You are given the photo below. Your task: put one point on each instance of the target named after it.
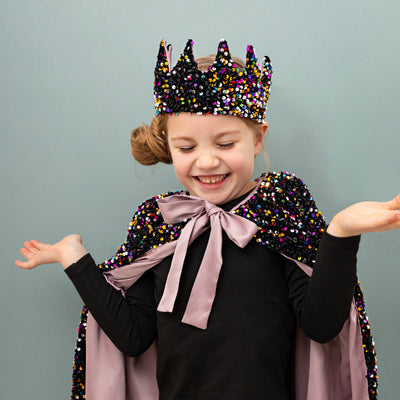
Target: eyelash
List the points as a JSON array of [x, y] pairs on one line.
[[186, 149], [226, 145], [221, 146]]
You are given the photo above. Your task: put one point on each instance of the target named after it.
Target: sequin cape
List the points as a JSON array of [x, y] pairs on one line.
[[289, 223]]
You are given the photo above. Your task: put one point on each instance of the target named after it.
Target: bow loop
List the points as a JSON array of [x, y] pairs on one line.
[[238, 229], [177, 208]]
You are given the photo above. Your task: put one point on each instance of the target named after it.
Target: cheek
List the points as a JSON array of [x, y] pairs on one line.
[[244, 158], [244, 165], [181, 166]]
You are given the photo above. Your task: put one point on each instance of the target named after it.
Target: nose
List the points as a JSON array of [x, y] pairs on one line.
[[207, 160]]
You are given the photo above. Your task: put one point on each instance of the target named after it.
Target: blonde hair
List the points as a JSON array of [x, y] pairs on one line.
[[149, 143]]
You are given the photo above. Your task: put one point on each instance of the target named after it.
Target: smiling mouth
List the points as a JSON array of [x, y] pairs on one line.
[[211, 179]]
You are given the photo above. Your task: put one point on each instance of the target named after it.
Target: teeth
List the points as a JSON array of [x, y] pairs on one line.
[[214, 179]]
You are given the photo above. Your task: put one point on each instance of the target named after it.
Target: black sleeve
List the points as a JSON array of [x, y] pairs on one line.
[[322, 302], [130, 321]]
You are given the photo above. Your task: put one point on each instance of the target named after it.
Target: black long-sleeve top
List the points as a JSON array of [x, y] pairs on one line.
[[246, 350]]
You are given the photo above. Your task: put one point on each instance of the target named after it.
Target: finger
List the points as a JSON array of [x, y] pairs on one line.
[[394, 204], [393, 217], [29, 246], [389, 221], [26, 253], [396, 218], [38, 245], [24, 264]]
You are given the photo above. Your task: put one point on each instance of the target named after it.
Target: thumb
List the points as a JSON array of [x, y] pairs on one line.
[[393, 204]]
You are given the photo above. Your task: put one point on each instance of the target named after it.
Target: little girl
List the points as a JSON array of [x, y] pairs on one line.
[[241, 286]]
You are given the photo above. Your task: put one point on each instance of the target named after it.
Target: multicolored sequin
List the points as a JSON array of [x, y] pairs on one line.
[[368, 344], [146, 231], [289, 222], [78, 374], [223, 89]]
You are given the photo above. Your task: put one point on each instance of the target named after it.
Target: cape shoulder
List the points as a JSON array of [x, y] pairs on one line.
[[282, 207], [288, 219]]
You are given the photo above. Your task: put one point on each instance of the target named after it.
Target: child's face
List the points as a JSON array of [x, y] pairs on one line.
[[213, 155]]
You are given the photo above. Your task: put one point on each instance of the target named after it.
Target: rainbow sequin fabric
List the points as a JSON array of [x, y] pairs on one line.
[[223, 89], [289, 222]]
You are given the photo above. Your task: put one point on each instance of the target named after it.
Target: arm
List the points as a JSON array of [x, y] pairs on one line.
[[322, 302], [129, 321]]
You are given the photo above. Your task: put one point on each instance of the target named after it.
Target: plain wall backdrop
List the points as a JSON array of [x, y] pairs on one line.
[[76, 77]]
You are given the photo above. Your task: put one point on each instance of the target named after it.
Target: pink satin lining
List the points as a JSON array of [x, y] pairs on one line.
[[330, 371], [177, 208]]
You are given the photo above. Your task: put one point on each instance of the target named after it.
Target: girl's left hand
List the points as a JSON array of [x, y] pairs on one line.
[[365, 217]]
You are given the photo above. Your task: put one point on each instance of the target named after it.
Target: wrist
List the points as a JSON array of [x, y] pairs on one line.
[[334, 230], [70, 250], [337, 228]]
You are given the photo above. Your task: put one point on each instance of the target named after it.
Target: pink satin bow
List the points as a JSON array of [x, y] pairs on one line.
[[176, 208]]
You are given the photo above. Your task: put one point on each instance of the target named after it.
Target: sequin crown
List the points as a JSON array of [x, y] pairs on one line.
[[224, 88]]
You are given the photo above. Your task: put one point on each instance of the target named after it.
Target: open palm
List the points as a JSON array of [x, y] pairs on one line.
[[66, 251], [367, 216]]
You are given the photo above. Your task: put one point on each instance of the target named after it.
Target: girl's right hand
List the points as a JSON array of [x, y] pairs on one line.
[[66, 252]]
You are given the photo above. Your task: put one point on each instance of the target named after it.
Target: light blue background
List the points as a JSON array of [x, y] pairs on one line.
[[76, 77]]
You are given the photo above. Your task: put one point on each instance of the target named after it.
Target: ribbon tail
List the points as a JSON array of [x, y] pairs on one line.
[[168, 298], [205, 286]]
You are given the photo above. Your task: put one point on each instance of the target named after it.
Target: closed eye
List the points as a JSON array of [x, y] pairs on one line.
[[226, 145], [186, 149]]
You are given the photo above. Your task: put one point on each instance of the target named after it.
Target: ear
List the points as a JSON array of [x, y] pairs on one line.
[[259, 140]]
